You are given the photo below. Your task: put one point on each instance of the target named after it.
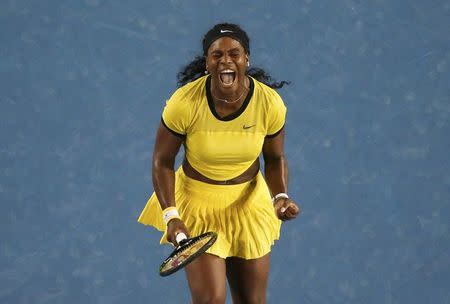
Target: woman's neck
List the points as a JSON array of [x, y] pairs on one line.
[[234, 98]]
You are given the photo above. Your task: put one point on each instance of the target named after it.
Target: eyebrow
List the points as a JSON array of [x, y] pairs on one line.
[[231, 50]]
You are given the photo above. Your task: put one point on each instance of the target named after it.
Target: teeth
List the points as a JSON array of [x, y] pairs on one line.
[[227, 71], [227, 78]]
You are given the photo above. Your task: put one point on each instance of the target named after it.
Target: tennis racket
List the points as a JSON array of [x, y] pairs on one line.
[[186, 252]]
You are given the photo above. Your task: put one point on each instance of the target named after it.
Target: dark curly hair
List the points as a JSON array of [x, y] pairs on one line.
[[196, 68]]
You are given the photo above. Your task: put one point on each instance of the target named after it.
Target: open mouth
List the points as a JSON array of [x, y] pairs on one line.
[[227, 77]]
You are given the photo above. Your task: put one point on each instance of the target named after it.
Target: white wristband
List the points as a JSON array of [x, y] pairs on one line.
[[170, 213], [180, 236], [279, 195]]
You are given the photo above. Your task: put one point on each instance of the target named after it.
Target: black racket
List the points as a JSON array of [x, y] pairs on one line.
[[186, 252]]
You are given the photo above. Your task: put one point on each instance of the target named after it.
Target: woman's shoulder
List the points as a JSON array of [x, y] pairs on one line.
[[187, 99], [269, 95]]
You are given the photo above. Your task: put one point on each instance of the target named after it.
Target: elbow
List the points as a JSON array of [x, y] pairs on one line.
[[159, 162], [274, 159]]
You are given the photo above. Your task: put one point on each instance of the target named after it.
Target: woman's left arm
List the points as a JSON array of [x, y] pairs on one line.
[[276, 174]]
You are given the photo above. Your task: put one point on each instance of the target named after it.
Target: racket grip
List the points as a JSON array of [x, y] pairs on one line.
[[180, 236]]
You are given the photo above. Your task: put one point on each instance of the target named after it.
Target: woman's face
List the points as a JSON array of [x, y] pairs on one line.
[[226, 61]]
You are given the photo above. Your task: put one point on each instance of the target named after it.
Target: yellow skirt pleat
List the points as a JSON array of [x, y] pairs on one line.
[[242, 215]]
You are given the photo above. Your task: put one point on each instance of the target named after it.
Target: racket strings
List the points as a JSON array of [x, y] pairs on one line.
[[186, 253]]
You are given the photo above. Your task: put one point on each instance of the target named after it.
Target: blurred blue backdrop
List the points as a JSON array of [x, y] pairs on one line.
[[82, 85]]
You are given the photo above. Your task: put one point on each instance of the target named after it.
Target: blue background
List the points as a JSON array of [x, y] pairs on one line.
[[82, 85]]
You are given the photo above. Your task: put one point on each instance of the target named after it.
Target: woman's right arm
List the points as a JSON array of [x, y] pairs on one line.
[[165, 151]]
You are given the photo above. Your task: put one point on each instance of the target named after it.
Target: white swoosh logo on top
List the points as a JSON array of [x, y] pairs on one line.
[[225, 31]]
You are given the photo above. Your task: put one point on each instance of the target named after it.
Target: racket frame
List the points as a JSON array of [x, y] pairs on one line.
[[185, 244]]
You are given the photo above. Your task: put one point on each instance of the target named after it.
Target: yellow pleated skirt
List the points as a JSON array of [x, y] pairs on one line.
[[242, 215]]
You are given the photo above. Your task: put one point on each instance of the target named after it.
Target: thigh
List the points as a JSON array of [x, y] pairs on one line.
[[206, 277], [248, 279]]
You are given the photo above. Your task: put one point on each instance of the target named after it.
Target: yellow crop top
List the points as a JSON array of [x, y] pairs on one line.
[[223, 148]]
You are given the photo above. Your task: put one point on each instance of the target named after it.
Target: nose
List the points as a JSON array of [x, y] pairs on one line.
[[226, 58]]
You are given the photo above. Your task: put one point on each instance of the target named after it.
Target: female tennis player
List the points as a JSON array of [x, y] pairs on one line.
[[225, 114]]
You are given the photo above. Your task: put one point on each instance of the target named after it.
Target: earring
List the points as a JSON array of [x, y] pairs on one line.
[[248, 63], [206, 72]]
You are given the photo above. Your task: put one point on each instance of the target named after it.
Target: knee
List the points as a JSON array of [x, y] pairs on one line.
[[209, 299], [251, 299], [210, 294]]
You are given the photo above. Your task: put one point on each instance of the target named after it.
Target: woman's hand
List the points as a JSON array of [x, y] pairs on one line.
[[174, 227], [286, 209]]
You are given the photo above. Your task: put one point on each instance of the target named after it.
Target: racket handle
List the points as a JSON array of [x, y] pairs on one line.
[[180, 236]]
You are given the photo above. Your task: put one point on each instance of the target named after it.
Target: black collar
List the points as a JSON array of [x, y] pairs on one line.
[[234, 114]]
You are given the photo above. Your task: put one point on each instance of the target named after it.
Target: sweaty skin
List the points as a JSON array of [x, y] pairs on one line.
[[244, 177]]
